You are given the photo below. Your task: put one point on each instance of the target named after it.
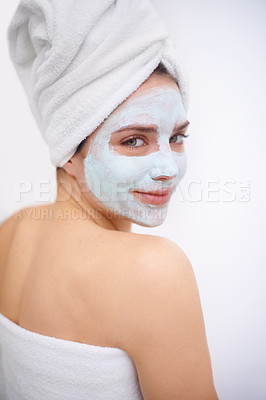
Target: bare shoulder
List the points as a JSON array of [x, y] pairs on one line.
[[161, 323], [7, 229], [156, 258], [162, 253], [23, 223], [29, 213], [9, 225], [10, 221]]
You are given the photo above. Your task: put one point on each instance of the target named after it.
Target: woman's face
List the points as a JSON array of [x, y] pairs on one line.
[[139, 148]]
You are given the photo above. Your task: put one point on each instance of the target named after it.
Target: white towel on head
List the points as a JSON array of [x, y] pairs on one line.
[[79, 59]]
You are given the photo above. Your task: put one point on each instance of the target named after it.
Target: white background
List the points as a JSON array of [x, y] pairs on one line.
[[220, 228]]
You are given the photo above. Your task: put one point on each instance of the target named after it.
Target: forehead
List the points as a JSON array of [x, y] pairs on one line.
[[150, 100], [151, 106]]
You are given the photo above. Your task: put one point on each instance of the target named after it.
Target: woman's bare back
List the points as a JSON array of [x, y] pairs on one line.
[[73, 280], [64, 278]]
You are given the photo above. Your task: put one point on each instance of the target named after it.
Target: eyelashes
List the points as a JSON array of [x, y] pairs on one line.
[[135, 137], [179, 134]]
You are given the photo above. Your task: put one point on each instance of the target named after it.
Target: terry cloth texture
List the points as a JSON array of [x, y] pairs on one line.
[[39, 367], [79, 59]]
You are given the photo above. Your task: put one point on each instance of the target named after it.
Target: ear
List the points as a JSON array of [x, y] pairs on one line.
[[70, 166]]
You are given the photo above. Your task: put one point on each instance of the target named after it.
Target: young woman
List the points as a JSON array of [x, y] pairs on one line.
[[74, 271], [90, 310]]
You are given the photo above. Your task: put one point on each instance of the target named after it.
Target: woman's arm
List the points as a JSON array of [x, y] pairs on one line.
[[166, 334]]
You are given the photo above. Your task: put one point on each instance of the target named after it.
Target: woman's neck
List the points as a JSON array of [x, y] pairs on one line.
[[72, 201]]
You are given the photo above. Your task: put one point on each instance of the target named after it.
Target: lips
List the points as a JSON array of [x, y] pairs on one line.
[[154, 197]]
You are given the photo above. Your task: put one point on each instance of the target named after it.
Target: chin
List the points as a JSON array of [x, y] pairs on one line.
[[152, 224], [149, 217]]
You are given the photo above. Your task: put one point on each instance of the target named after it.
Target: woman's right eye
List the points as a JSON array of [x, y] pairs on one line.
[[131, 142]]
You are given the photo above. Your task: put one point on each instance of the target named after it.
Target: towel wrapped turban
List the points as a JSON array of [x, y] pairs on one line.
[[79, 59]]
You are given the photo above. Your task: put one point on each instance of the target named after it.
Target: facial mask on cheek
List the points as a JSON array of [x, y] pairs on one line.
[[111, 176]]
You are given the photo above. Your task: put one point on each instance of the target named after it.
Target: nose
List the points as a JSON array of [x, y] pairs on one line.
[[164, 177]]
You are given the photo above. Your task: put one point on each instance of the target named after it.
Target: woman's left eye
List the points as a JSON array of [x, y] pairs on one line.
[[178, 138]]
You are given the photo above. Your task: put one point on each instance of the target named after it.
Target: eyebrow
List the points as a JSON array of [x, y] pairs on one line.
[[150, 128]]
